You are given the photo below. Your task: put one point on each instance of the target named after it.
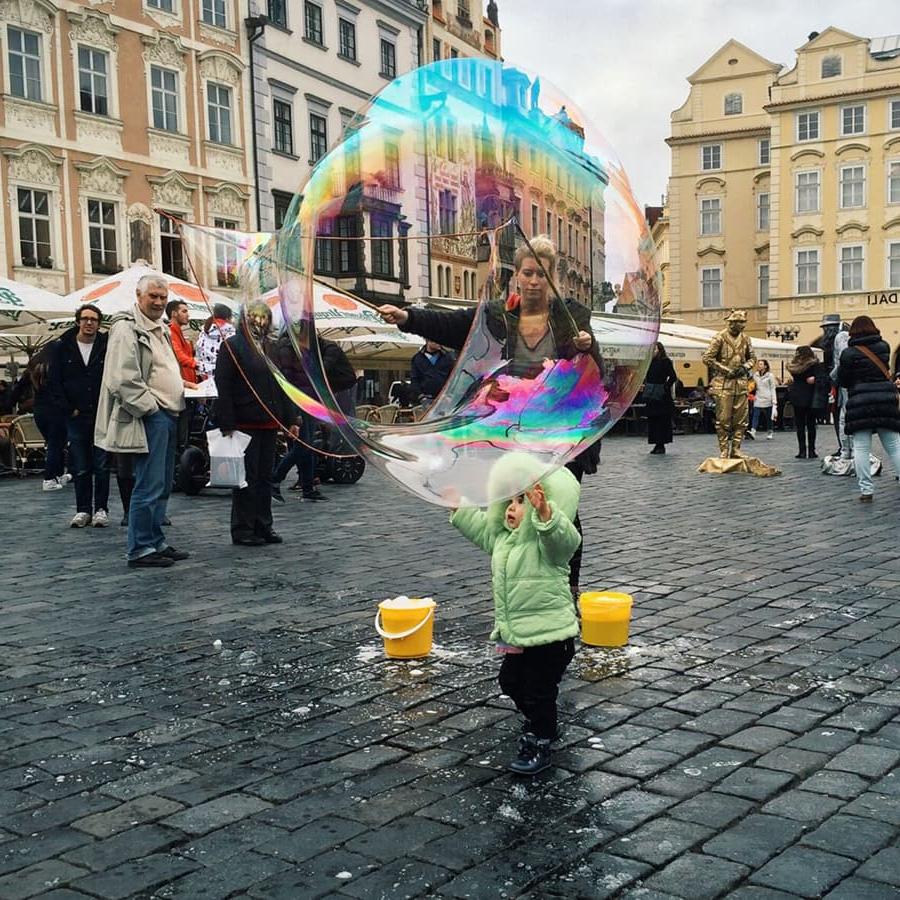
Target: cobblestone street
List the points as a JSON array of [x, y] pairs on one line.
[[744, 744]]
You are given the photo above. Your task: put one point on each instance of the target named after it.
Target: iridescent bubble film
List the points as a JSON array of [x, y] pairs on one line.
[[436, 185]]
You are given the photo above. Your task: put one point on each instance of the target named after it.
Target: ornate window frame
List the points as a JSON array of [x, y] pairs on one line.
[[102, 179], [166, 52], [95, 31], [34, 167]]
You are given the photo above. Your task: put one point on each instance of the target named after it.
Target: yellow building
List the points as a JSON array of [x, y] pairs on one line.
[[784, 195], [835, 184], [110, 110], [718, 231]]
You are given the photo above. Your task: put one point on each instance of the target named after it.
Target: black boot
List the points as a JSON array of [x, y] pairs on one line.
[[534, 756]]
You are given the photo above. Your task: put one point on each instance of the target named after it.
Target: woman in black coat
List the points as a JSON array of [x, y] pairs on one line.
[[657, 395], [808, 393], [251, 401], [872, 406]]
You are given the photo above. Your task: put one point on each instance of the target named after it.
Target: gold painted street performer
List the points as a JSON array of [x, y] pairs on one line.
[[730, 360]]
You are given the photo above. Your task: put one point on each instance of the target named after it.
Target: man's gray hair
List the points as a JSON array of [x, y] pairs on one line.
[[146, 281]]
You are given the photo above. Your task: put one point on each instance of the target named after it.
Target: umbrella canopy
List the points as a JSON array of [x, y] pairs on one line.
[[362, 346], [23, 306], [337, 314], [116, 294]]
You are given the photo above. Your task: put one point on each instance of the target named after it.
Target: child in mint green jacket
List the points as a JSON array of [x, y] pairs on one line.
[[531, 539]]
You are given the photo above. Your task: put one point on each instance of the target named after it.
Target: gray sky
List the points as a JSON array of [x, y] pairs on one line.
[[626, 62]]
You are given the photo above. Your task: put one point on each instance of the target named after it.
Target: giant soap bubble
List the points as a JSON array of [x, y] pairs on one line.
[[435, 186]]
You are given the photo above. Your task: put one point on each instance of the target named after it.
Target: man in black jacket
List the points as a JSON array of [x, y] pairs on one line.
[[429, 370], [76, 373]]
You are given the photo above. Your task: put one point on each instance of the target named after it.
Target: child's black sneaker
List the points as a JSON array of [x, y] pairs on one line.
[[534, 756]]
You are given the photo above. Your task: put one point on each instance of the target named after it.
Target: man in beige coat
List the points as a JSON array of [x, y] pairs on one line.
[[140, 398]]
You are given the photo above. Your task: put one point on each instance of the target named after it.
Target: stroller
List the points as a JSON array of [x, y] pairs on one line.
[[192, 463]]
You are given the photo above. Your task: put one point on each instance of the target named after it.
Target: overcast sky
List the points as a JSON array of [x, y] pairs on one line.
[[626, 62]]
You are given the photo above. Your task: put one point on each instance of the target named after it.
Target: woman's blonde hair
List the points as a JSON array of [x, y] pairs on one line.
[[541, 247]]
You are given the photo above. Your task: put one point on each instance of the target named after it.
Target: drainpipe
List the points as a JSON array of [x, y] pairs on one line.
[[256, 28]]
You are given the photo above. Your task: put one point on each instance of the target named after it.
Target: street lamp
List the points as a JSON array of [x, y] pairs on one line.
[[256, 28], [786, 334]]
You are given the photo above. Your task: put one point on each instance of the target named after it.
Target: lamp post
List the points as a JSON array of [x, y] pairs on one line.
[[786, 334], [256, 28]]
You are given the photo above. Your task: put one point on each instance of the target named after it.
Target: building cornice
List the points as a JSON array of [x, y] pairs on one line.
[[315, 73], [812, 100], [698, 136]]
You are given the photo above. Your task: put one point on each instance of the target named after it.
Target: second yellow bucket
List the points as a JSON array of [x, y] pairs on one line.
[[605, 616], [407, 626]]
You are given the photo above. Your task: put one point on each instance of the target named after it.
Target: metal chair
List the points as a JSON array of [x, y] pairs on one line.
[[28, 448]]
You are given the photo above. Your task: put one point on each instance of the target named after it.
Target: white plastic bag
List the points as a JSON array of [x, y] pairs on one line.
[[226, 458]]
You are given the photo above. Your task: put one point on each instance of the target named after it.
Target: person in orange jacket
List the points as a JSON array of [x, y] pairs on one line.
[[178, 315]]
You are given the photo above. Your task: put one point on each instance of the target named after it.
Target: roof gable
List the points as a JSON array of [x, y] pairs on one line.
[[749, 62]]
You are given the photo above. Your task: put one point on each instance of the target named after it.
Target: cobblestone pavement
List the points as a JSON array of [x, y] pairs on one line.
[[744, 744]]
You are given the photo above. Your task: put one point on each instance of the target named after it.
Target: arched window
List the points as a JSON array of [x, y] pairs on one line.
[[734, 104], [440, 274]]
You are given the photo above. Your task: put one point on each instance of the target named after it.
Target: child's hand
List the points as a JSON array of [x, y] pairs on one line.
[[538, 499]]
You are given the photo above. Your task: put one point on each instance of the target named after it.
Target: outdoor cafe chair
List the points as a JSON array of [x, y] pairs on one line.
[[27, 443]]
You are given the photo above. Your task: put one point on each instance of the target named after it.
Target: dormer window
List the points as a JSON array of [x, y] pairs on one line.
[[734, 104], [831, 66]]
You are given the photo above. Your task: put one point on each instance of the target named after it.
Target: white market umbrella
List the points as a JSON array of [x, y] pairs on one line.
[[363, 346], [116, 294], [337, 314], [23, 306]]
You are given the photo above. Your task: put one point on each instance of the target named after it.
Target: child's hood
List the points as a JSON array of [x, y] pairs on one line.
[[516, 470]]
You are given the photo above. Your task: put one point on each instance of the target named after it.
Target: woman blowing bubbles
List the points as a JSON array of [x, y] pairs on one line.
[[532, 325]]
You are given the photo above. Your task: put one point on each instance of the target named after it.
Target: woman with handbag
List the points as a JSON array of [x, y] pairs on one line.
[[808, 393], [873, 400], [657, 394]]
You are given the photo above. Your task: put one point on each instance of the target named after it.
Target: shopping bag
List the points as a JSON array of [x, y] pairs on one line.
[[226, 458]]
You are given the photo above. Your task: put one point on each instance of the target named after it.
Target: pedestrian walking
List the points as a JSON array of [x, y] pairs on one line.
[[216, 329], [76, 375], [251, 401], [765, 409], [141, 396], [808, 394], [32, 394], [531, 538], [657, 395], [429, 370], [872, 405]]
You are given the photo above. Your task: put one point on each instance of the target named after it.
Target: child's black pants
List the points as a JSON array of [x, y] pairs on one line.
[[531, 678]]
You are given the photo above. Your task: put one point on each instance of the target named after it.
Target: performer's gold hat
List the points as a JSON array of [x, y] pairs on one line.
[[736, 315]]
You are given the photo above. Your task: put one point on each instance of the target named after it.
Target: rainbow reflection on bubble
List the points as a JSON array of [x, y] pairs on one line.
[[433, 188]]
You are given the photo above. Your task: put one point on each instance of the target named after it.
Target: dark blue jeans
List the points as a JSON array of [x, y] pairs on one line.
[[153, 474], [299, 456], [53, 427], [89, 465]]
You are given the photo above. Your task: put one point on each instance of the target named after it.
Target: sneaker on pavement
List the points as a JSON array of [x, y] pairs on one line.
[[534, 756], [101, 519], [276, 492], [81, 520], [64, 479], [51, 484], [151, 561], [769, 436], [314, 495]]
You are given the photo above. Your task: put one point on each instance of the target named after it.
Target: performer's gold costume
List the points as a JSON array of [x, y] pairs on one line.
[[730, 359]]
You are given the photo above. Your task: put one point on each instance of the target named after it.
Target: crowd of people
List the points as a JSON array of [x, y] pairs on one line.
[[853, 386], [116, 400]]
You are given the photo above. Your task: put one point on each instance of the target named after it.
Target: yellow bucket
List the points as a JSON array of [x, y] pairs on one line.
[[406, 624], [604, 618]]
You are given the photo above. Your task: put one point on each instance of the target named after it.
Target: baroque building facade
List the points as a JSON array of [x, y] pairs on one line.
[[112, 112], [784, 195]]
